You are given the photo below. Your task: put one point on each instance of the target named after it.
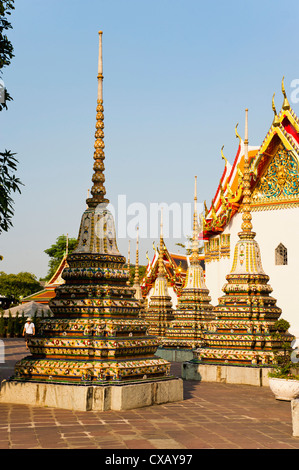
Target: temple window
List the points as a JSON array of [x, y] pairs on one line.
[[281, 255]]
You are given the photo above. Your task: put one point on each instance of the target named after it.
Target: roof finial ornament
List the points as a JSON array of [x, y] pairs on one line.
[[98, 190], [237, 135], [223, 156], [276, 120], [286, 104]]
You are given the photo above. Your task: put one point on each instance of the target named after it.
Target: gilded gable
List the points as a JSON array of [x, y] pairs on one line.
[[280, 182]]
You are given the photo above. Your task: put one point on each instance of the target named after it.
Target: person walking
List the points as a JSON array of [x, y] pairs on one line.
[[28, 331]]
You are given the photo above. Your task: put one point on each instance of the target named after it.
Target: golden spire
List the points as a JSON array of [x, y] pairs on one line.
[[161, 250], [129, 252], [128, 263], [195, 243], [98, 190], [136, 285], [286, 104], [136, 278], [246, 216], [276, 120]]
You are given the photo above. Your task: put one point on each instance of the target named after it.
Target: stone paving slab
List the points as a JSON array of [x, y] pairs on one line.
[[211, 416]]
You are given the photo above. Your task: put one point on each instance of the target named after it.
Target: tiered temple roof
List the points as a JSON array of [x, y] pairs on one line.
[[96, 336], [242, 332], [45, 295], [175, 266]]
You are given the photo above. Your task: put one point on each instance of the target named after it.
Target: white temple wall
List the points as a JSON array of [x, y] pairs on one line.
[[272, 227]]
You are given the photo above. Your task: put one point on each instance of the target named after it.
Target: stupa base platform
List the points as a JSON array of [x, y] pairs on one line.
[[230, 374], [93, 397], [175, 354]]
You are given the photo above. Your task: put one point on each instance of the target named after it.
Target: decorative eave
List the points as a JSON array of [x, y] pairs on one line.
[[48, 293], [174, 274], [228, 195], [42, 297], [56, 279]]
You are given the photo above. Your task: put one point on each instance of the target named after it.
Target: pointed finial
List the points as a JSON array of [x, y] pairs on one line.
[[100, 68], [286, 104], [136, 278], [98, 190], [195, 243], [276, 120], [195, 221], [246, 133], [246, 216], [129, 253], [160, 259], [128, 263]]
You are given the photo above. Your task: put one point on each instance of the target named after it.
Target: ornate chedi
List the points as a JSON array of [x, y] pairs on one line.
[[136, 285], [96, 336], [274, 184], [175, 269], [159, 312], [245, 316], [194, 310]]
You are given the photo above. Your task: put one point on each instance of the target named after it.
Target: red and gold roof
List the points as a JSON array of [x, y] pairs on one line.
[[274, 175], [175, 267], [45, 295]]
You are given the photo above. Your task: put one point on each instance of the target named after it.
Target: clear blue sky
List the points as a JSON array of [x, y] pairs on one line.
[[178, 76]]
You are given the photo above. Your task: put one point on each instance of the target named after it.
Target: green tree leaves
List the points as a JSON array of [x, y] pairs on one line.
[[6, 47], [9, 184], [18, 285], [57, 252], [8, 163]]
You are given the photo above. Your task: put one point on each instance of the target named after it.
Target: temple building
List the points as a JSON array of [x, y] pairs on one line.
[[274, 186], [159, 312], [242, 332], [95, 353], [194, 310], [175, 270]]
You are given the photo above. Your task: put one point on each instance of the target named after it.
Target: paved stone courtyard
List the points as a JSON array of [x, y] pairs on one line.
[[212, 416]]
